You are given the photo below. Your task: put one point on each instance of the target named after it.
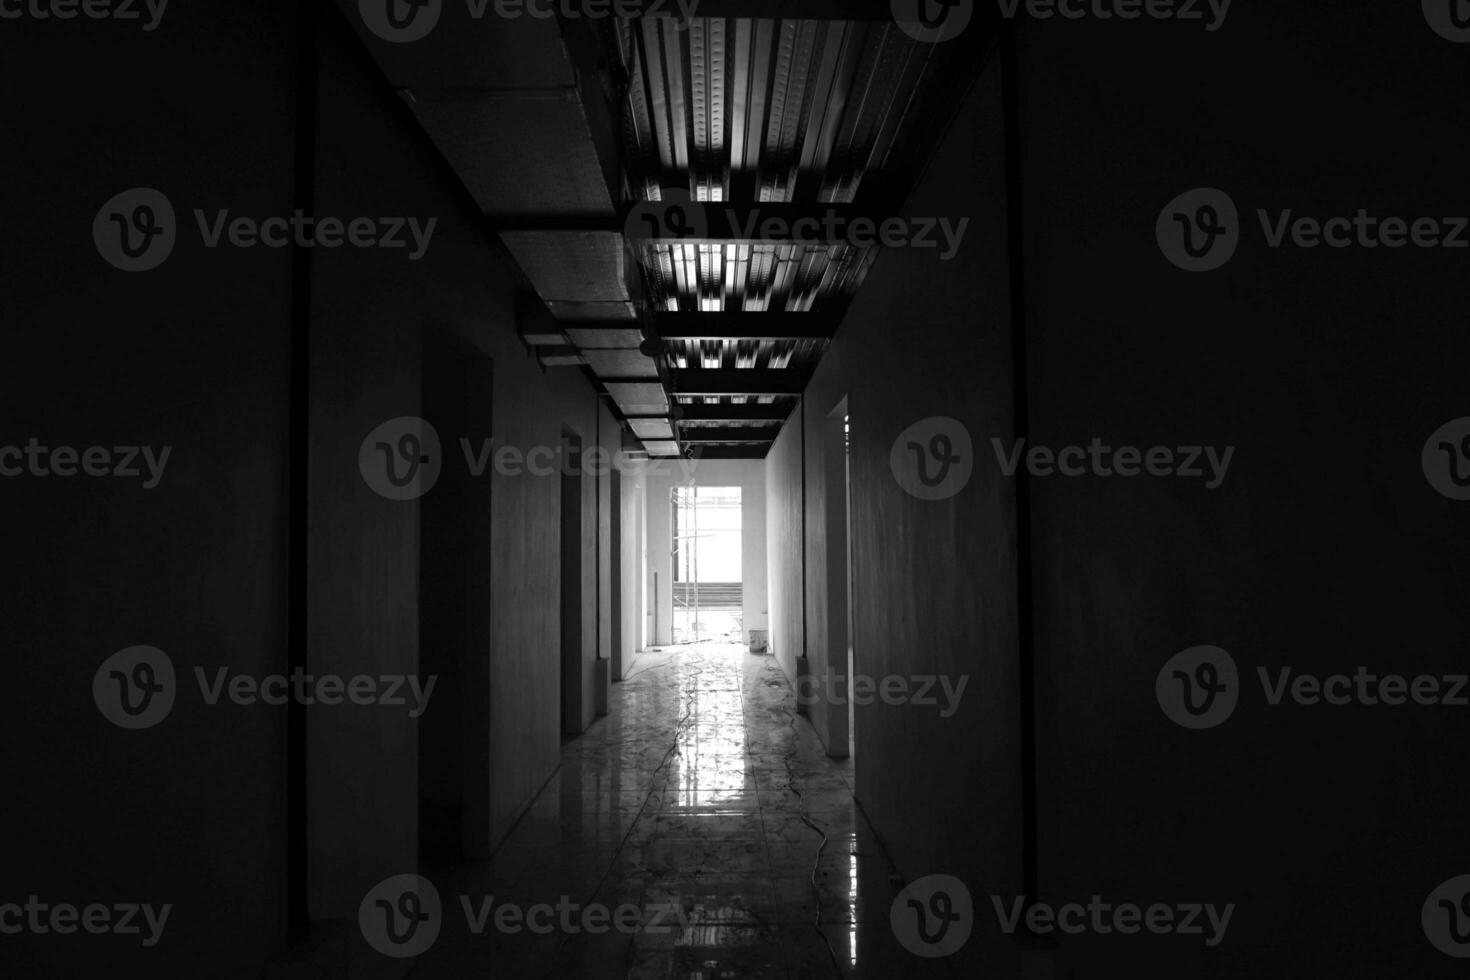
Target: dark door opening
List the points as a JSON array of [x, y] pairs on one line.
[[448, 598], [571, 585]]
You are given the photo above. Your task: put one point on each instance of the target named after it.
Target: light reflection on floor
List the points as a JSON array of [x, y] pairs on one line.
[[691, 801]]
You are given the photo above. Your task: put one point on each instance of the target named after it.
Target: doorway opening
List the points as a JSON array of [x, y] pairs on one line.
[[709, 590]]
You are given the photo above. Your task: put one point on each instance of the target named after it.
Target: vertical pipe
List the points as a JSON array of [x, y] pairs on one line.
[[694, 553], [298, 913], [597, 528], [1025, 599], [801, 404]]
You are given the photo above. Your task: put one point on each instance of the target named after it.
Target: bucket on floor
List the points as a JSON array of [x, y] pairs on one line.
[[759, 642]]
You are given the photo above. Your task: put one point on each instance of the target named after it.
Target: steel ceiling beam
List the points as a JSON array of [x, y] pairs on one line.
[[748, 382], [876, 10], [727, 436], [724, 224], [771, 326], [731, 452], [600, 97], [735, 413]]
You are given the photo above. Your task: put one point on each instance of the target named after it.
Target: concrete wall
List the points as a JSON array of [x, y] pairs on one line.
[[191, 355], [933, 581], [194, 356], [1325, 549], [375, 162], [661, 478]]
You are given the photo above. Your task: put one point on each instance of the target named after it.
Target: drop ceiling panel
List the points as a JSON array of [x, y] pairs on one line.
[[564, 310], [620, 364], [580, 266], [462, 51], [520, 155], [603, 339], [652, 428], [639, 398]]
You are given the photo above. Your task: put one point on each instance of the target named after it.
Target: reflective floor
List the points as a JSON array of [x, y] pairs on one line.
[[704, 830]]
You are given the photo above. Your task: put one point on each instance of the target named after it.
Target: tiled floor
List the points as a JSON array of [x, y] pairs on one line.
[[704, 801]]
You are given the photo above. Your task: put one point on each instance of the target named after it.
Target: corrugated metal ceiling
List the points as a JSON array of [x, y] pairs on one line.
[[559, 127]]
